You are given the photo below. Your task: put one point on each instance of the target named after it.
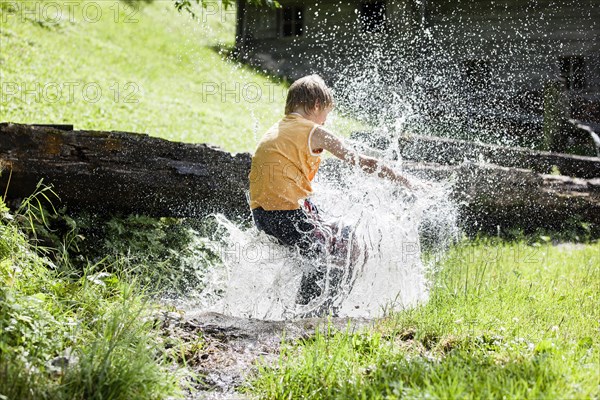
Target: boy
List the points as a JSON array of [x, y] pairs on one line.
[[286, 161]]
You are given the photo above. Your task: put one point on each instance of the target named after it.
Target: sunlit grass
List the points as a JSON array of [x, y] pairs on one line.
[[504, 321], [152, 71]]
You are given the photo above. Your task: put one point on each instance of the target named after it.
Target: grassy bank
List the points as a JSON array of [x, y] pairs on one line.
[[504, 321], [106, 66], [103, 65], [511, 320], [70, 333]]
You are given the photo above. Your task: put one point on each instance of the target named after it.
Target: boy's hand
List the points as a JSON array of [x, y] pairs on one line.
[[391, 174], [413, 184], [323, 139]]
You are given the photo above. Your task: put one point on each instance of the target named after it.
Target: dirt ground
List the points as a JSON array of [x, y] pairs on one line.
[[229, 348]]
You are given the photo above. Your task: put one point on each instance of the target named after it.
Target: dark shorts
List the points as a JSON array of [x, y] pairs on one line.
[[302, 229], [295, 228]]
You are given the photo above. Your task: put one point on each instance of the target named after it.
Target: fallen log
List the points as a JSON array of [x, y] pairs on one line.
[[448, 151], [110, 172], [453, 152], [123, 172], [491, 196]]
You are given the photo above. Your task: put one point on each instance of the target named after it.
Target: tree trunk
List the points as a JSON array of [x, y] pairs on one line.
[[490, 196], [518, 198], [453, 152]]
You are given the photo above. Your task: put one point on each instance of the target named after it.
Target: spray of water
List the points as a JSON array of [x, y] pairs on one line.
[[384, 228], [381, 268]]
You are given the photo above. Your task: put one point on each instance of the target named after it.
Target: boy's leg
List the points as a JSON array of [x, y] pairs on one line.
[[298, 229], [314, 278], [336, 275], [310, 286]]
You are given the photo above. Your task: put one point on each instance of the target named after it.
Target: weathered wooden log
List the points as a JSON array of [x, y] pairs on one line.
[[453, 152], [133, 173], [448, 151], [123, 172], [492, 196]]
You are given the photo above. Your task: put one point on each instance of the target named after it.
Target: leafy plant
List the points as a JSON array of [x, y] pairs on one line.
[[68, 334]]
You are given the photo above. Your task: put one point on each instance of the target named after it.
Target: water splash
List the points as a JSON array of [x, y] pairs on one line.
[[382, 269], [390, 90]]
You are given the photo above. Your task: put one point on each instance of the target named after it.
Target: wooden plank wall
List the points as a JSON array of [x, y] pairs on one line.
[[332, 36], [522, 39]]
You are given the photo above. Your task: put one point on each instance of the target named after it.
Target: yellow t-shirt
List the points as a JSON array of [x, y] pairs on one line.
[[283, 165]]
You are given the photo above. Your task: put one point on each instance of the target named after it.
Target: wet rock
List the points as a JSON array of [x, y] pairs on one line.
[[58, 365]]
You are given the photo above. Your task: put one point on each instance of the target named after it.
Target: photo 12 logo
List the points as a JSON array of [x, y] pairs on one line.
[[236, 92], [216, 9], [250, 253], [69, 92], [207, 10], [56, 12]]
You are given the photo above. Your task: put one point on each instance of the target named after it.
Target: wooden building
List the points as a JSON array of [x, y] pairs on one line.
[[498, 48]]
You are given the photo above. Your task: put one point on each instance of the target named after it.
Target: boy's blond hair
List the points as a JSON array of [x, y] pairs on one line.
[[307, 92]]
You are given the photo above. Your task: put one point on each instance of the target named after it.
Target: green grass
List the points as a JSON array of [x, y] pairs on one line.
[[68, 334], [504, 321], [159, 72]]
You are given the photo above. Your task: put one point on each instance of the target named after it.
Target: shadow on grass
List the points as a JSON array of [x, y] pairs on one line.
[[229, 53], [462, 374]]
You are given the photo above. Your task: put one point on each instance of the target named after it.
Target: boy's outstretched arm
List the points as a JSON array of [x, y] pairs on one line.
[[323, 139]]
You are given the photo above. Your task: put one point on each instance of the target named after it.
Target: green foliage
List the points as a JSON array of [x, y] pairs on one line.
[[120, 362], [167, 255], [505, 320], [3, 208], [68, 335]]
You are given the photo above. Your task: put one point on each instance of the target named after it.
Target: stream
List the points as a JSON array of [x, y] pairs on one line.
[[248, 302]]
